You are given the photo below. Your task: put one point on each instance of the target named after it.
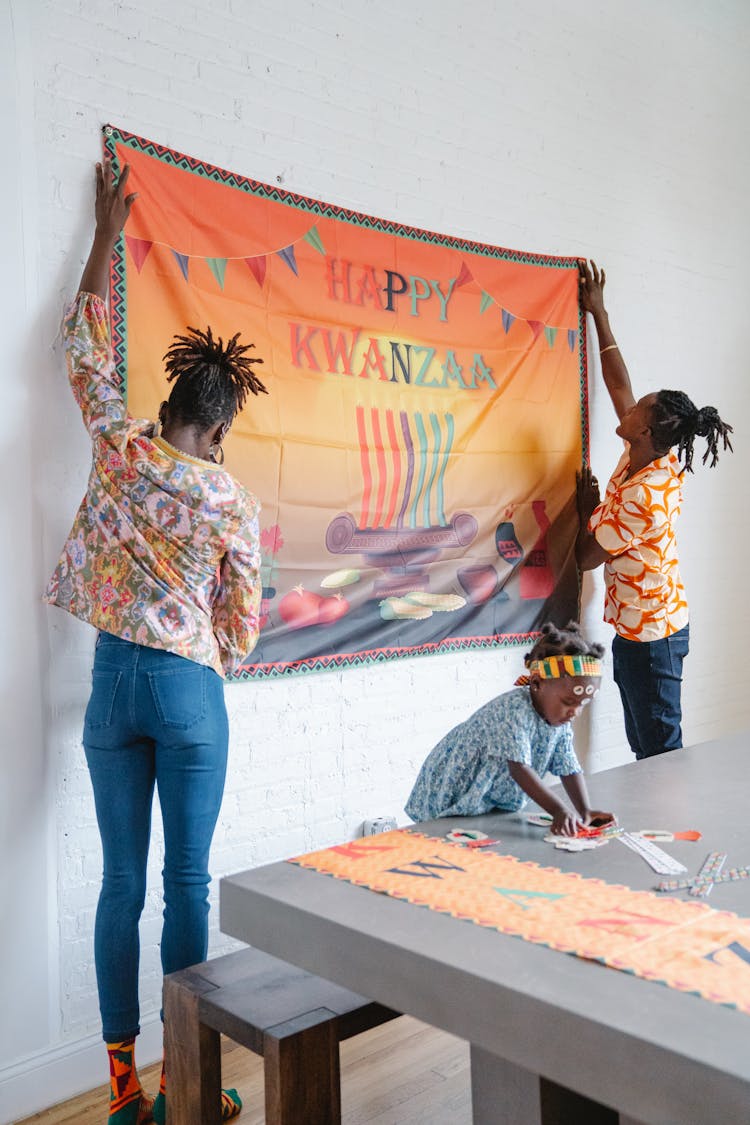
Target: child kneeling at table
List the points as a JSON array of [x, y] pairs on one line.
[[497, 758]]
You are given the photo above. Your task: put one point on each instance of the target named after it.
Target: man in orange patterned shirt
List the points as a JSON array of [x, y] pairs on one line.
[[632, 532]]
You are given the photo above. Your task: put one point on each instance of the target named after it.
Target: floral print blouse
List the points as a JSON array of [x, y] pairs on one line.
[[164, 550], [467, 772]]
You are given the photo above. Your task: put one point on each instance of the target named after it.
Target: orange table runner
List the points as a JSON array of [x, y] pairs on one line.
[[685, 945]]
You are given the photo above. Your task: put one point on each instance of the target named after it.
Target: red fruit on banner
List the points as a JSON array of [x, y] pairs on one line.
[[300, 607], [331, 609]]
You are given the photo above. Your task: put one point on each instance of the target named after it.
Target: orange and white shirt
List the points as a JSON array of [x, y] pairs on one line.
[[635, 523]]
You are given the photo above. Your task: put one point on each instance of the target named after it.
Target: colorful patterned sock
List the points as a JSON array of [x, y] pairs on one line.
[[231, 1103], [128, 1105], [160, 1106]]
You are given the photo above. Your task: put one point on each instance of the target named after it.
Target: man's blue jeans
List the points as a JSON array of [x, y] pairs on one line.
[[154, 718], [649, 676]]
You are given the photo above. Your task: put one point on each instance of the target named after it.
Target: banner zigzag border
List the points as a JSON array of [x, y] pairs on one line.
[[323, 210], [377, 656]]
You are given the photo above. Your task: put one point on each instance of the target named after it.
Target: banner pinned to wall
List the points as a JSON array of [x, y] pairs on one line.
[[415, 457]]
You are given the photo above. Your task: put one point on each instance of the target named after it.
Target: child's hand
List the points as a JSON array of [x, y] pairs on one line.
[[595, 818], [564, 823]]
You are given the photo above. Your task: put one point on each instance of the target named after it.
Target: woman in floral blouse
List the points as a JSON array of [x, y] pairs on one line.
[[163, 559]]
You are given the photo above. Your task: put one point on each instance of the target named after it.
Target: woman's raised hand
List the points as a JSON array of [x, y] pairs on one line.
[[111, 209], [591, 286], [112, 205]]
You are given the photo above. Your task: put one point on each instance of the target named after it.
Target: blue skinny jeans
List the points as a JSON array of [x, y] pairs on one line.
[[153, 718]]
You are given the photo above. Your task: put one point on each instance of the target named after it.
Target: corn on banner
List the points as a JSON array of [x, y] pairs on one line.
[[415, 457]]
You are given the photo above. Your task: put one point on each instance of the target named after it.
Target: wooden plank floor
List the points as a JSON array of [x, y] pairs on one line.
[[402, 1073]]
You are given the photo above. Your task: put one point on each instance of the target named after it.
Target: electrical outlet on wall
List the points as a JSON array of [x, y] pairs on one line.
[[379, 824]]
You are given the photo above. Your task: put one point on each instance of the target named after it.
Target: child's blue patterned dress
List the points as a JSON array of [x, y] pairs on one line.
[[467, 772]]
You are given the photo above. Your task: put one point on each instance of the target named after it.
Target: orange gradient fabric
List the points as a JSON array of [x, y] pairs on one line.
[[415, 456]]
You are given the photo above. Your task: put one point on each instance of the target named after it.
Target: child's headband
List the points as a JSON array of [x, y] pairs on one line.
[[553, 667]]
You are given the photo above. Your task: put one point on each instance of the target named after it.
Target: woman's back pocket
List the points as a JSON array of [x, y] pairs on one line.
[[179, 695]]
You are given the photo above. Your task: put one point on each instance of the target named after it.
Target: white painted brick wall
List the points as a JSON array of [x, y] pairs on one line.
[[608, 129]]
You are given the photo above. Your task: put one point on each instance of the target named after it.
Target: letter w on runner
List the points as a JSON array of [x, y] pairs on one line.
[[425, 869]]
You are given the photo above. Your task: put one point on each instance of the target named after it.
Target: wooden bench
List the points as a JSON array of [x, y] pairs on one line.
[[293, 1019]]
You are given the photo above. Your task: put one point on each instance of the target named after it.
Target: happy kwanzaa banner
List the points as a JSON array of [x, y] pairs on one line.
[[415, 457]]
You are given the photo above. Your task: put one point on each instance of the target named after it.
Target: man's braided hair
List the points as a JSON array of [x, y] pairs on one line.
[[676, 420], [212, 379]]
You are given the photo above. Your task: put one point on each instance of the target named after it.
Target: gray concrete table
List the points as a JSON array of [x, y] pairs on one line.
[[554, 1039]]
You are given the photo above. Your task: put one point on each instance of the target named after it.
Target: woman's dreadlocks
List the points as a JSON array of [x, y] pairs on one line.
[[676, 420], [212, 379]]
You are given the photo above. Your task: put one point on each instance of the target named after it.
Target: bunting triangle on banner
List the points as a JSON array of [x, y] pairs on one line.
[[315, 240], [183, 261], [218, 267], [257, 267], [139, 248], [485, 302], [572, 337], [287, 255], [536, 326], [508, 319], [550, 333], [464, 275]]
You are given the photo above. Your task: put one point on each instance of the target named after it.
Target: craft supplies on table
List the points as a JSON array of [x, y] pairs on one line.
[[575, 843], [470, 838], [666, 836], [657, 859], [539, 820], [544, 820], [712, 866], [733, 875], [609, 831], [712, 871]]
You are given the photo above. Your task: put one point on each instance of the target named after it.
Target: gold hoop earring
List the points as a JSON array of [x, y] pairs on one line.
[[214, 450]]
